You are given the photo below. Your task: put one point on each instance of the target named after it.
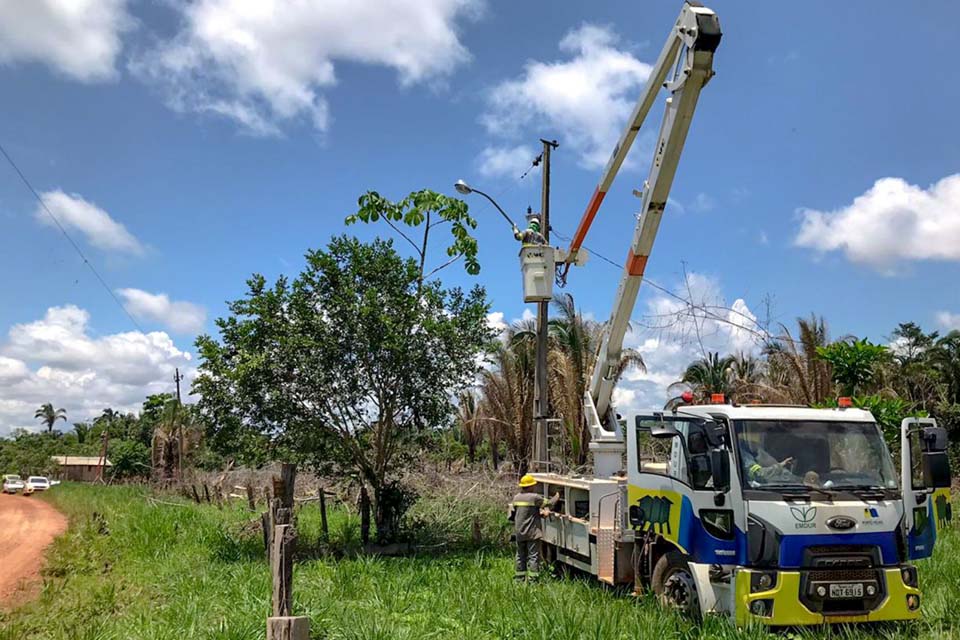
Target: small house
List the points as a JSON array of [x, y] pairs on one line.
[[80, 468]]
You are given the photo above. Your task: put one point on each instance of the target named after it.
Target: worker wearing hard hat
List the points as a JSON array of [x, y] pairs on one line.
[[759, 465], [525, 514], [532, 234]]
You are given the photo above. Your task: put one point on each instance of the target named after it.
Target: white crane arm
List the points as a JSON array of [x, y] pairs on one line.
[[687, 58]]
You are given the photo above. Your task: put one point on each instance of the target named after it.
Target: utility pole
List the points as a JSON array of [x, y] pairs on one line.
[[177, 378], [541, 400]]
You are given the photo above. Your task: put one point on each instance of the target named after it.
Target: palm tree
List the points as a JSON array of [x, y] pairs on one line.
[[574, 343], [507, 389], [710, 374], [507, 402], [175, 433], [82, 430], [945, 358], [49, 416], [747, 377], [469, 418], [797, 374]]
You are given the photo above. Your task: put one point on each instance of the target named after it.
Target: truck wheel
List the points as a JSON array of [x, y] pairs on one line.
[[674, 585]]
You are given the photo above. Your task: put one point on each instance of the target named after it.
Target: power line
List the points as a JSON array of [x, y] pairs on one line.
[[620, 267], [66, 235]]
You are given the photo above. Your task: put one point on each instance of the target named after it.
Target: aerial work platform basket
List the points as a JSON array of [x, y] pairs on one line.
[[537, 267]]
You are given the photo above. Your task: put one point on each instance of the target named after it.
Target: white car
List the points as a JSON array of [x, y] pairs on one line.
[[12, 483], [36, 483]]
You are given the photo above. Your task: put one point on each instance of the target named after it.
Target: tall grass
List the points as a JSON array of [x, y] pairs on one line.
[[145, 570]]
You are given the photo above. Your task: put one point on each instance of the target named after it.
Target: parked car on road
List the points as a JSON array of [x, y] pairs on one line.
[[36, 483], [12, 483]]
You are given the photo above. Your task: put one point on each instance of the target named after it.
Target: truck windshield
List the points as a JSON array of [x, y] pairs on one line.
[[813, 454]]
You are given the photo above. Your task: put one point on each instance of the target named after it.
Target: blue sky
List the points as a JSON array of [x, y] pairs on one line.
[[189, 144]]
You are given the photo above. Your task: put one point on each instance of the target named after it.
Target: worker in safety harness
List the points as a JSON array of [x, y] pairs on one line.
[[525, 514], [532, 234], [759, 465]]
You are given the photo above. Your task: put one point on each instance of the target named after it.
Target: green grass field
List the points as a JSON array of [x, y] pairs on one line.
[[146, 570]]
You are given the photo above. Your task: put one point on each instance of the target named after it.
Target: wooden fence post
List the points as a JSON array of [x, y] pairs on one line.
[[281, 564], [282, 625], [323, 514], [251, 499], [364, 515], [206, 492]]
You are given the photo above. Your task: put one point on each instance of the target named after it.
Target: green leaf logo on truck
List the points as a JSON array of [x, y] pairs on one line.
[[804, 516]]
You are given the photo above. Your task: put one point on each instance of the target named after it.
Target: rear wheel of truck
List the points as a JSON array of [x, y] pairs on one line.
[[674, 585]]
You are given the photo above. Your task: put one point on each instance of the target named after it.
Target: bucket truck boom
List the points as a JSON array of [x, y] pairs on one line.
[[683, 68]]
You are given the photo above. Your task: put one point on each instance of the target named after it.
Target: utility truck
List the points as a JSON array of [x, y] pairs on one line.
[[780, 515]]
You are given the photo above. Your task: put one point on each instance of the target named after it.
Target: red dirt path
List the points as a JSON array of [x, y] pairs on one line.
[[27, 527]]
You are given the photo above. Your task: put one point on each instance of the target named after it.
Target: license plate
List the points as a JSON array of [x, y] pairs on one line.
[[846, 591]]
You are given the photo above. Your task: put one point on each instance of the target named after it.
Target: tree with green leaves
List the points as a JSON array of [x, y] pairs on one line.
[[424, 209], [49, 416], [855, 364], [346, 368]]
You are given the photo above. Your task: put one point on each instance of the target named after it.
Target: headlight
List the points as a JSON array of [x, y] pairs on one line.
[[909, 575], [762, 581]]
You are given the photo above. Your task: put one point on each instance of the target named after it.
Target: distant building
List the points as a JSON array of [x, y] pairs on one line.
[[79, 468]]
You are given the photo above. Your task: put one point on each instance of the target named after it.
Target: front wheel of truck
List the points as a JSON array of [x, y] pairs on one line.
[[674, 584]]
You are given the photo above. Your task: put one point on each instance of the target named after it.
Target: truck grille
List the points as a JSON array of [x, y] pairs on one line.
[[826, 565], [841, 575]]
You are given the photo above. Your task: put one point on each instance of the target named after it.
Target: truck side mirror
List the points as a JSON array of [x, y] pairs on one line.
[[934, 439], [720, 467], [664, 430], [936, 469]]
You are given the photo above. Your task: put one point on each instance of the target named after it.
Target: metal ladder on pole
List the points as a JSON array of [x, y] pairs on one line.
[[552, 433]]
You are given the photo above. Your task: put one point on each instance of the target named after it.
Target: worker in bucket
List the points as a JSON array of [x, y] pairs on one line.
[[525, 514], [532, 234]]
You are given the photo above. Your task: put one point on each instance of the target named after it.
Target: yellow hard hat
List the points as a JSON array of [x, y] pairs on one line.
[[527, 481]]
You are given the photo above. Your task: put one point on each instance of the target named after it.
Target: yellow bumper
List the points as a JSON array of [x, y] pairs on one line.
[[788, 610]]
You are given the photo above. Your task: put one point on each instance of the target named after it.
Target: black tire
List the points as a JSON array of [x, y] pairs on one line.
[[674, 585]]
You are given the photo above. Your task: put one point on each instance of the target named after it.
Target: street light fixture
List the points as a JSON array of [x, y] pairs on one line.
[[465, 189]]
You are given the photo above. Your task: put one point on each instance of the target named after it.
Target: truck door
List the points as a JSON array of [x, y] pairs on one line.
[[680, 487], [925, 480]]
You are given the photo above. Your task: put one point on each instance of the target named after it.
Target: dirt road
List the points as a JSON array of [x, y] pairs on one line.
[[27, 527]]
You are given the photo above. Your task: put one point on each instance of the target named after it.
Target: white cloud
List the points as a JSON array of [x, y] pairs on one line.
[[703, 203], [948, 321], [79, 38], [510, 162], [669, 337], [267, 63], [496, 322], [94, 223], [57, 359], [587, 98], [893, 221], [179, 316]]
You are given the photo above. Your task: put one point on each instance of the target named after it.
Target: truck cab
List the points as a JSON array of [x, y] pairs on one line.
[[790, 515]]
